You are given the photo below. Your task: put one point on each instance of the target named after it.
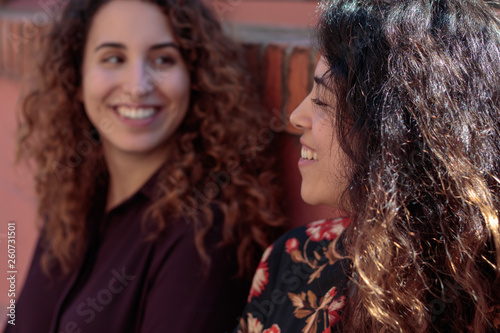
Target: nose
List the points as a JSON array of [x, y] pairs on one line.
[[139, 81], [301, 116]]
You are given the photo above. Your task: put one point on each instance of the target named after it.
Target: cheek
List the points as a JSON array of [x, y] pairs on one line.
[[177, 86], [95, 84], [322, 136], [332, 158], [339, 171]]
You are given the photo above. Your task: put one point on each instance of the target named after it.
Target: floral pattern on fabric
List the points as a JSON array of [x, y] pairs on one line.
[[300, 282], [327, 229], [324, 311], [254, 326], [261, 276]]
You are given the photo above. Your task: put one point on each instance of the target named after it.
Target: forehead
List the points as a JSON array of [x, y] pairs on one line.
[[129, 20]]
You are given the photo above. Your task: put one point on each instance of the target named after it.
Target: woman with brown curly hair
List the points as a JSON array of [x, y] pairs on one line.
[[155, 199], [401, 131]]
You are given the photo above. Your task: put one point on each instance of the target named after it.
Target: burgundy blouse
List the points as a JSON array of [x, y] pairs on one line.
[[128, 284]]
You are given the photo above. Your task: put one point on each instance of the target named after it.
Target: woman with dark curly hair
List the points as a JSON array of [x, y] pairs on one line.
[[155, 200], [402, 132]]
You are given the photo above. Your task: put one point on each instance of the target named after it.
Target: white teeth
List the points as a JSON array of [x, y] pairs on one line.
[[135, 113], [309, 155]]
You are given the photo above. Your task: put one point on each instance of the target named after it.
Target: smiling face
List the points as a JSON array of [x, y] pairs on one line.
[[136, 85], [322, 164]]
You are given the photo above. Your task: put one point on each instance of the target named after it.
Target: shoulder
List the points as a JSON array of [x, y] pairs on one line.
[[189, 230], [308, 238], [282, 260], [299, 277], [197, 241]]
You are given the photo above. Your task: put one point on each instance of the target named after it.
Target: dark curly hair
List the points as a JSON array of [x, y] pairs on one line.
[[417, 111], [216, 144]]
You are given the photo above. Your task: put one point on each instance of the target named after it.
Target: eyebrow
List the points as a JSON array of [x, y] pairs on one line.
[[122, 46], [320, 81]]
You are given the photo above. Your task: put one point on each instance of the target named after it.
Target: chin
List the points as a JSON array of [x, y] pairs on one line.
[[310, 198]]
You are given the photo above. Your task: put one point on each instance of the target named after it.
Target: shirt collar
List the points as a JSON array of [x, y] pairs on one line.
[[151, 187]]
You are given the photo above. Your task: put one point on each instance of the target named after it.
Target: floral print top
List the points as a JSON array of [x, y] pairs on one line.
[[300, 283]]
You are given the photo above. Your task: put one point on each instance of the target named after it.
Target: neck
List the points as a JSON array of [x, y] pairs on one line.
[[128, 173]]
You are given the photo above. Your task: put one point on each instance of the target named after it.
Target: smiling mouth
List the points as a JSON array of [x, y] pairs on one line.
[[308, 154], [136, 113]]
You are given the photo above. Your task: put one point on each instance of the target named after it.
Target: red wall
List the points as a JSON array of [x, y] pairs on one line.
[[16, 198], [298, 13]]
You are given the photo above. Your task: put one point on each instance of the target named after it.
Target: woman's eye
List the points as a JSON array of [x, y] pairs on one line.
[[112, 60], [163, 61], [318, 102]]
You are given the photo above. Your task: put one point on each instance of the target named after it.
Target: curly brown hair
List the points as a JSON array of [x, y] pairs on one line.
[[417, 90], [216, 157]]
